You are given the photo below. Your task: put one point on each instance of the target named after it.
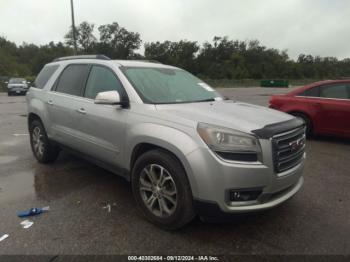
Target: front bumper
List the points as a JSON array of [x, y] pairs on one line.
[[17, 90], [212, 178]]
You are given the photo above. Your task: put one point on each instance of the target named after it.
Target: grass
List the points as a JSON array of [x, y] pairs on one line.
[[3, 87], [229, 83]]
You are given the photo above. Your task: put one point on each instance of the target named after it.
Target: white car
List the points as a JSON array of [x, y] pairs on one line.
[[17, 86]]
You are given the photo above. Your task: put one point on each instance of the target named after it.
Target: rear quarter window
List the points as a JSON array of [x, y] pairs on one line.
[[44, 76]]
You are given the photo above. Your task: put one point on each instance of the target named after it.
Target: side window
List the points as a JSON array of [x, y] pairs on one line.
[[102, 79], [72, 80], [44, 76], [312, 92], [335, 91]]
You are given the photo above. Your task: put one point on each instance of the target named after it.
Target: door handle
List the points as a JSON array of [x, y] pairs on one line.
[[81, 111], [50, 102]]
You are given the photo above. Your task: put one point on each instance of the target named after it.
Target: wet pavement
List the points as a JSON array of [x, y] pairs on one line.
[[315, 221]]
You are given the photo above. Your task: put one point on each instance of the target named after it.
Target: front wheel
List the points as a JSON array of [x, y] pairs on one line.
[[161, 189], [43, 150]]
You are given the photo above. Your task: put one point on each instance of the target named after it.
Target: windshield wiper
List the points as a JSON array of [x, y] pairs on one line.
[[205, 100], [186, 102]]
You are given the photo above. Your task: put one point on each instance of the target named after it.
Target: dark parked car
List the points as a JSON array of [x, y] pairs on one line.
[[324, 106], [17, 86]]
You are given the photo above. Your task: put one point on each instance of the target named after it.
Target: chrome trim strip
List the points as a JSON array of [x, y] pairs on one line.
[[326, 98]]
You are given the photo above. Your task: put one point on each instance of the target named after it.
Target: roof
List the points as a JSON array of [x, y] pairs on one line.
[[86, 59], [140, 63], [319, 83]]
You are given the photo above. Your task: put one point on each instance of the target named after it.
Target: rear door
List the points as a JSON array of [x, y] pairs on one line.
[[101, 128], [335, 109], [62, 100]]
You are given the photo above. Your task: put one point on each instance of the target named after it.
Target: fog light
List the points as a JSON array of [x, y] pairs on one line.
[[238, 196]]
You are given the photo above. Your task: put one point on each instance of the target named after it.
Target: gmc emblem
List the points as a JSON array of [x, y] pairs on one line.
[[295, 145]]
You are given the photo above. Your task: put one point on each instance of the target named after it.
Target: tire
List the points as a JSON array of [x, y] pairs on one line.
[[44, 151], [9, 93], [307, 121], [173, 216]]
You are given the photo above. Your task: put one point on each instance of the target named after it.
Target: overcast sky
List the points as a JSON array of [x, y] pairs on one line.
[[317, 27]]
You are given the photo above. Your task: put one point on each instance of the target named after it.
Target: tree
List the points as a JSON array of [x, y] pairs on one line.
[[84, 35], [181, 54], [117, 42], [221, 58]]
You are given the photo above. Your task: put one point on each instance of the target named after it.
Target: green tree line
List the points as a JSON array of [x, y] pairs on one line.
[[220, 58]]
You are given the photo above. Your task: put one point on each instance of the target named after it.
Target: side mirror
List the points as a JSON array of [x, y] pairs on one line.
[[6, 82], [109, 98]]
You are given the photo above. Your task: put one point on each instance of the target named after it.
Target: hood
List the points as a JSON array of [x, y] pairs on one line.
[[17, 85], [236, 115]]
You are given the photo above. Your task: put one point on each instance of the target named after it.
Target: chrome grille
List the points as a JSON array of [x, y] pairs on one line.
[[288, 149]]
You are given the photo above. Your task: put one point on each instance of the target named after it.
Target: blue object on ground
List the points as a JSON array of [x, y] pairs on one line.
[[32, 212]]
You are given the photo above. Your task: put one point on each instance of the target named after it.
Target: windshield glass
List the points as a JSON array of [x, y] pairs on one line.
[[17, 81], [166, 86]]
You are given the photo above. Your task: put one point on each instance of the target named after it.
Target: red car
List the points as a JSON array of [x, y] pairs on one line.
[[324, 106]]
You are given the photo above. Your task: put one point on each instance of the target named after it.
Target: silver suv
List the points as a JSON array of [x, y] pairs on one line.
[[185, 149]]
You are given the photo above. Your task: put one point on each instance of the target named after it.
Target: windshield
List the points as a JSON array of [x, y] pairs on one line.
[[17, 81], [166, 86]]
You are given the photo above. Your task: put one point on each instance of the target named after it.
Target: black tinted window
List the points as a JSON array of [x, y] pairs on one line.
[[313, 92], [335, 91], [72, 80], [102, 79], [45, 75]]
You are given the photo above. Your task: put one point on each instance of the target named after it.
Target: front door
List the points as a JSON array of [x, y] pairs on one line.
[[101, 128]]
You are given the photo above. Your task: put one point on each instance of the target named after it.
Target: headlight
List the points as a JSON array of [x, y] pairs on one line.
[[230, 144]]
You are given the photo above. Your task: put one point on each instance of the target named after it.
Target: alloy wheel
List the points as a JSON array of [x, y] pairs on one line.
[[158, 190], [37, 140]]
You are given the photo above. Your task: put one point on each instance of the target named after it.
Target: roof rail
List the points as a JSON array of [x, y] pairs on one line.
[[146, 60], [100, 57]]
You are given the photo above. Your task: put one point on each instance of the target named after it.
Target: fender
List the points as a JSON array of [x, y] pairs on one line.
[[177, 142], [36, 105]]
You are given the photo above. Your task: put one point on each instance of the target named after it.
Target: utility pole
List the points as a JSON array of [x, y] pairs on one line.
[[73, 28]]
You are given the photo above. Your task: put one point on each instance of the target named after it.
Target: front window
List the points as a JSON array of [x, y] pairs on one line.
[[102, 79], [167, 86], [311, 92]]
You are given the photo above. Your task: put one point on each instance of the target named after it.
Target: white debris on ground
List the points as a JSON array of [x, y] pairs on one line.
[[108, 207], [3, 237], [26, 224]]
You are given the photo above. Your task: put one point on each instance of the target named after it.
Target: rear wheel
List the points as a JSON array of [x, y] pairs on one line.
[[307, 122], [9, 93], [161, 189], [43, 149]]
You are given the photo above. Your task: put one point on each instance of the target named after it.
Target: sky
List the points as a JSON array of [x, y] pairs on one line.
[[317, 27]]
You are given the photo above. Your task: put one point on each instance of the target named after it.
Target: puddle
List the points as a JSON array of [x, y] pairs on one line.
[[7, 159], [16, 186]]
